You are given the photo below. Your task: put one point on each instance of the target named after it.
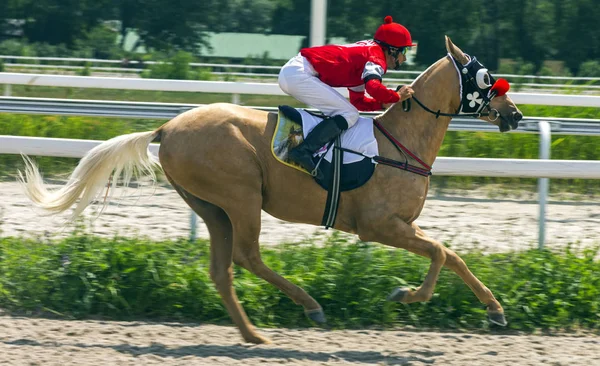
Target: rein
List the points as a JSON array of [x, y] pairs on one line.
[[424, 170], [404, 151], [406, 106]]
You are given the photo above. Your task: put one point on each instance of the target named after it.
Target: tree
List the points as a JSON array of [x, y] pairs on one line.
[[244, 16], [60, 21], [582, 35], [292, 17]]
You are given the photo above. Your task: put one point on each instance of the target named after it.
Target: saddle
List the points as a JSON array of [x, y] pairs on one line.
[[346, 162]]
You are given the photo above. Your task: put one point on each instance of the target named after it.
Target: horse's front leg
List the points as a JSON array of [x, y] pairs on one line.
[[399, 234], [458, 266], [413, 239]]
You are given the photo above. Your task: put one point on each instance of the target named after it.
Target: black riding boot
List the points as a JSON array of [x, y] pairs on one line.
[[324, 132]]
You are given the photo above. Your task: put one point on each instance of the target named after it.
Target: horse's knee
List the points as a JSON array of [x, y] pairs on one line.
[[438, 252], [222, 277], [250, 262], [453, 261]]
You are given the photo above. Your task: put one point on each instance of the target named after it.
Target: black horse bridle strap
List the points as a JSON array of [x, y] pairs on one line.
[[406, 106]]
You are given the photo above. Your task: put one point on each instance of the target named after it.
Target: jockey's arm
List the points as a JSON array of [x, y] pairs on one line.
[[362, 102], [382, 96]]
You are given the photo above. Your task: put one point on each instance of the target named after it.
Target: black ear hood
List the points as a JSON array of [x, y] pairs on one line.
[[475, 85]]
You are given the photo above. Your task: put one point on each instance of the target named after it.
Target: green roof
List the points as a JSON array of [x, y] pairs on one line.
[[242, 45]]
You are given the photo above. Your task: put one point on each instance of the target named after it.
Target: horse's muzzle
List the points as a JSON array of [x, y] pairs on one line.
[[512, 123], [516, 117]]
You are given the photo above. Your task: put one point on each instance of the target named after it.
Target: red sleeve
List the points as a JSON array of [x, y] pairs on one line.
[[363, 103], [380, 93]]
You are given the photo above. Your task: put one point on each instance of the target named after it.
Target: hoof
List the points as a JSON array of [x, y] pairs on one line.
[[398, 294], [257, 339], [497, 318], [317, 315]]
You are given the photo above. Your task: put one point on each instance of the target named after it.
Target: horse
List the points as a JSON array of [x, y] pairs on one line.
[[218, 158]]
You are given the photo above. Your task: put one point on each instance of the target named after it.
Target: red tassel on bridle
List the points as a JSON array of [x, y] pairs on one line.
[[500, 87]]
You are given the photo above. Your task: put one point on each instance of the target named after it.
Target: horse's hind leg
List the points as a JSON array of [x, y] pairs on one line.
[[246, 220], [221, 253]]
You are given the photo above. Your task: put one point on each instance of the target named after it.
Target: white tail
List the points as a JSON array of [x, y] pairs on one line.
[[126, 154]]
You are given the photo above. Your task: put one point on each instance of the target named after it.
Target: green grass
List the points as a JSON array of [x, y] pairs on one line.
[[84, 276]]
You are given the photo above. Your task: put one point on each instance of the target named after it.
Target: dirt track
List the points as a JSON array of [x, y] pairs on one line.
[[25, 341]]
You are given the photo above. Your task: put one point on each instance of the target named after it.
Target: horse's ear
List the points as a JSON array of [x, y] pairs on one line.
[[456, 52]]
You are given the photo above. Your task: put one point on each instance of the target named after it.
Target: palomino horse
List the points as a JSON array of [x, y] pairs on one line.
[[218, 158]]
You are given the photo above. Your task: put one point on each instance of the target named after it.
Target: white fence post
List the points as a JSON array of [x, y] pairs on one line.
[[7, 90], [545, 138], [193, 224]]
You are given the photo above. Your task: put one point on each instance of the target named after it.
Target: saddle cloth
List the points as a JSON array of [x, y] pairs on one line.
[[294, 124]]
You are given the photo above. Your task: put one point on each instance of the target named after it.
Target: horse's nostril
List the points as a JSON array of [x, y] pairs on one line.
[[517, 116]]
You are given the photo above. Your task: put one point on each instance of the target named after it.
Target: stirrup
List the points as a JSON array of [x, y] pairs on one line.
[[315, 171]]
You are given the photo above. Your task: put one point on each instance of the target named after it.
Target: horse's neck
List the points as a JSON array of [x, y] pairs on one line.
[[418, 129]]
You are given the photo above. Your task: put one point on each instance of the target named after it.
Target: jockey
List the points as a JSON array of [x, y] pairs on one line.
[[311, 76]]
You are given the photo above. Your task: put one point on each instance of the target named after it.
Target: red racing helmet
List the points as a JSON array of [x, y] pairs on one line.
[[393, 34]]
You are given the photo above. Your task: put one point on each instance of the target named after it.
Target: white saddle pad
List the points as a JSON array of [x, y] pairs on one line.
[[359, 138]]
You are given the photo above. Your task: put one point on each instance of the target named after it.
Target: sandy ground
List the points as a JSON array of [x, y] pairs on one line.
[[465, 219], [27, 341]]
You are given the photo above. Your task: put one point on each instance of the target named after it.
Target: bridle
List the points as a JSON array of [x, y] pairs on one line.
[[477, 87], [475, 81]]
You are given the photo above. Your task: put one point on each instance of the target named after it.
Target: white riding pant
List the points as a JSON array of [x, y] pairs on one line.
[[299, 79]]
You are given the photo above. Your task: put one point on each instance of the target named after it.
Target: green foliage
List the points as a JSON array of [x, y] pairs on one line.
[[100, 42], [589, 69], [85, 71], [130, 278], [177, 67], [51, 50], [15, 48]]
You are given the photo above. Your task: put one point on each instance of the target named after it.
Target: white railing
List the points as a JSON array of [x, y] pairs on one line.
[[474, 167], [519, 82], [263, 67], [237, 88]]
